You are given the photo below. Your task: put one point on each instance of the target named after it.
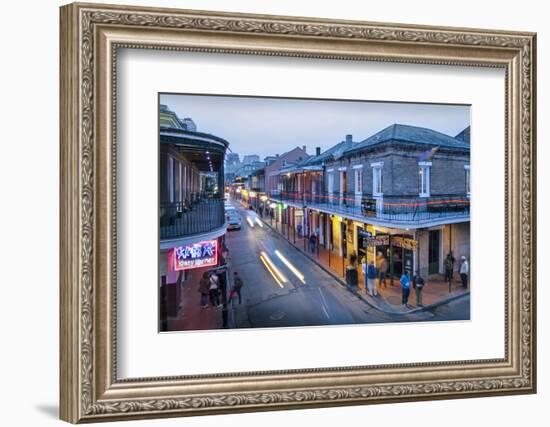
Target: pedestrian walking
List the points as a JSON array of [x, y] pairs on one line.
[[352, 280], [312, 242], [464, 272], [237, 286], [382, 269], [405, 288], [449, 264], [419, 288], [371, 279], [204, 289], [214, 290]]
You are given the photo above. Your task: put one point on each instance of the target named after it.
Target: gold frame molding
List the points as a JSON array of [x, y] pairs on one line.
[[90, 37]]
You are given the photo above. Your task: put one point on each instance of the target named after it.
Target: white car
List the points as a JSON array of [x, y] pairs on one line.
[[233, 220]]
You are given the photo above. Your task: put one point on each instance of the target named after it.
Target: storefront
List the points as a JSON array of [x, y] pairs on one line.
[[398, 249]]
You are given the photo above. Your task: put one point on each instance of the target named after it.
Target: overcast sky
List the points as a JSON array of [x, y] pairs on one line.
[[269, 126]]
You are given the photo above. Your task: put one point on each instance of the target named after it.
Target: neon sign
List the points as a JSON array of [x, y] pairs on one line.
[[203, 254]]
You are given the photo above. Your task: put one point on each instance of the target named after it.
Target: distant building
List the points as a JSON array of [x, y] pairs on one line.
[[232, 159], [269, 160], [246, 169], [272, 178], [169, 119], [250, 158]]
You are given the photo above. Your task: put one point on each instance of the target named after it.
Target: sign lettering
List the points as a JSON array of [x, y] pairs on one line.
[[202, 254]]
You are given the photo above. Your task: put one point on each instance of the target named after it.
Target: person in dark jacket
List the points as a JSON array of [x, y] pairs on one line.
[[449, 264], [352, 278], [312, 242], [419, 288], [237, 286], [204, 289], [382, 269]]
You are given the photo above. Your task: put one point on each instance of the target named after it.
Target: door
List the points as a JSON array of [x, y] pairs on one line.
[[433, 251], [343, 186], [358, 187]]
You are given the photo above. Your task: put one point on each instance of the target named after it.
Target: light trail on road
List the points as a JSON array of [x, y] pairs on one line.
[[290, 266], [275, 272], [271, 271]]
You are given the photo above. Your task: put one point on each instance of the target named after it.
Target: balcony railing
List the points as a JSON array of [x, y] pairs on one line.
[[185, 219], [384, 208]]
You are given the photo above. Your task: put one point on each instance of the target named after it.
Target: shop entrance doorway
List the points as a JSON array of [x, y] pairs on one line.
[[434, 240]]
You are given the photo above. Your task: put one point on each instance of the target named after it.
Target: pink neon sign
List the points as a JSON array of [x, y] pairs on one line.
[[195, 255]]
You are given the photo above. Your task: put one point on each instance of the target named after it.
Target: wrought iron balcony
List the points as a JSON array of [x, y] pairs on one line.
[[188, 218], [393, 208]]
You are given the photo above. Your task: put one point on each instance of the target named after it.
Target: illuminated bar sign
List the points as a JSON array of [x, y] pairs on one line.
[[405, 243], [203, 254], [369, 242]]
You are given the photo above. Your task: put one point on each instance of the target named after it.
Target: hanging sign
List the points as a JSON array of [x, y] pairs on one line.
[[203, 254], [403, 242], [376, 241]]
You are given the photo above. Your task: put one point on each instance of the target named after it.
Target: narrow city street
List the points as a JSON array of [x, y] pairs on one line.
[[283, 287]]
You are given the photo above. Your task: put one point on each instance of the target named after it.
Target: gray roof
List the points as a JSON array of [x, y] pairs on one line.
[[410, 134], [328, 154], [464, 135]]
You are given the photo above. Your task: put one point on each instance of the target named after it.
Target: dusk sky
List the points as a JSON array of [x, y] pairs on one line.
[[269, 126]]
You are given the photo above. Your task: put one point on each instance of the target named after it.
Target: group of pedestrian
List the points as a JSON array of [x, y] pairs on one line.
[[372, 272], [417, 283], [463, 269], [209, 288], [369, 277]]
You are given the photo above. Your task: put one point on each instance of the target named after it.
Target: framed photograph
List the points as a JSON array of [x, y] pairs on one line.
[[266, 212]]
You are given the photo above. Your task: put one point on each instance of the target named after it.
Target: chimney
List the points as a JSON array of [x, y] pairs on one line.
[[349, 139], [317, 151], [304, 148]]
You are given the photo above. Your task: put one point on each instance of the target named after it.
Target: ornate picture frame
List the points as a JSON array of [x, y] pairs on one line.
[[91, 34]]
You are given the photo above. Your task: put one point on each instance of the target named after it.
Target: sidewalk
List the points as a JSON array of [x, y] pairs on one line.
[[436, 290], [191, 316]]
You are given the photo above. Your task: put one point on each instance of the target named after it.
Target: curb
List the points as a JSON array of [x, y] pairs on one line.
[[438, 303], [361, 297]]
